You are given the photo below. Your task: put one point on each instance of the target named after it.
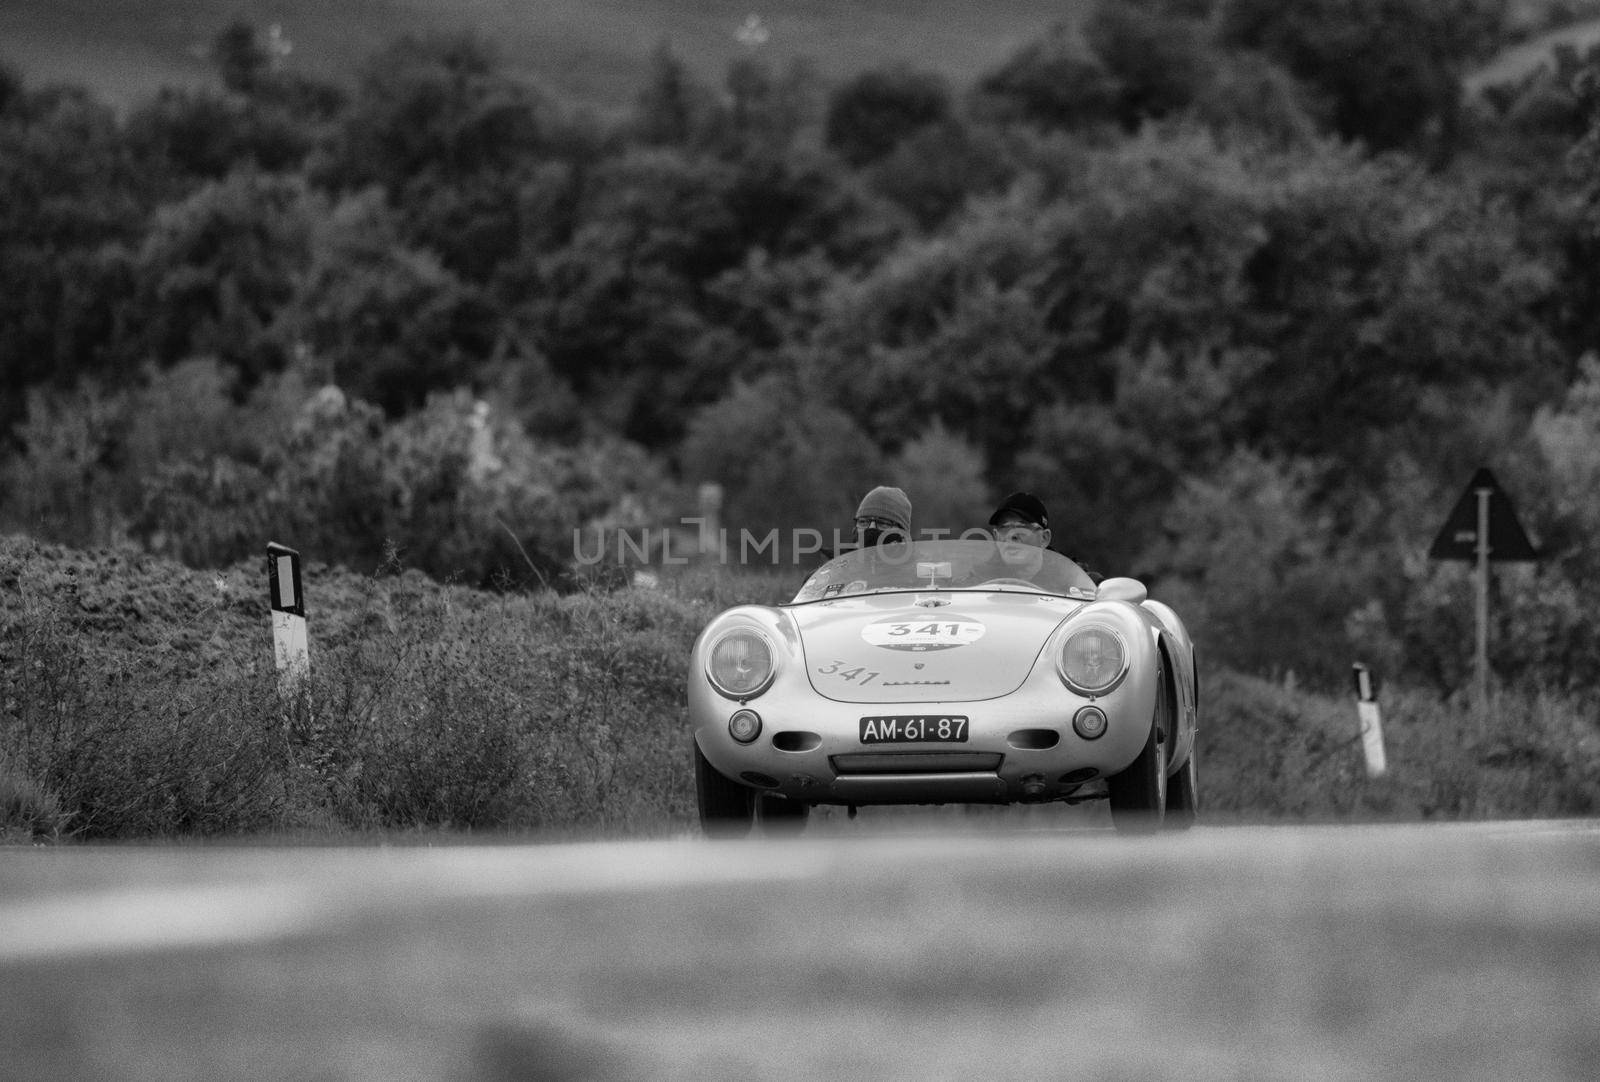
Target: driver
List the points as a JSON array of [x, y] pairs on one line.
[[1021, 529]]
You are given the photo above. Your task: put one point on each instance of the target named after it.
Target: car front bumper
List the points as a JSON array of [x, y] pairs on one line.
[[1021, 747]]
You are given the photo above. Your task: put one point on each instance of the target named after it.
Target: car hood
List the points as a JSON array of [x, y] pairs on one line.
[[931, 647]]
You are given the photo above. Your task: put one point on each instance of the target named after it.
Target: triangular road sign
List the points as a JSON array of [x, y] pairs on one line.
[[1458, 539]]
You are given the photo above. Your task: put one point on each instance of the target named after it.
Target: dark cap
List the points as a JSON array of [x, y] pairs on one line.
[[1024, 505]]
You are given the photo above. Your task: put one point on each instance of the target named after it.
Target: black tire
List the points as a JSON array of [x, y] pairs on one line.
[[1183, 796], [1139, 793], [726, 808], [779, 815]]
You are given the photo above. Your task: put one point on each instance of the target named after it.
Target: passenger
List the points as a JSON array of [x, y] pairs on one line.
[[884, 516]]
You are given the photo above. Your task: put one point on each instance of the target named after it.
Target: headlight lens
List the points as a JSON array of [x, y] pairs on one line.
[[1093, 660], [740, 665]]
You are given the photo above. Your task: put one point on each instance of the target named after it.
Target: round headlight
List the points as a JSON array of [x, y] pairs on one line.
[[1093, 660], [740, 664]]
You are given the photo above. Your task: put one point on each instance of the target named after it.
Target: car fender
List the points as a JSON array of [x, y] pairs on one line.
[[1182, 665]]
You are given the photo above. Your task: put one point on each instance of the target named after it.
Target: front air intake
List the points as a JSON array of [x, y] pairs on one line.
[[916, 762]]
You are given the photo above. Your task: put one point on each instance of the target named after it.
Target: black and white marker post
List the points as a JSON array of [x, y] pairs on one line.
[[1371, 722], [288, 618]]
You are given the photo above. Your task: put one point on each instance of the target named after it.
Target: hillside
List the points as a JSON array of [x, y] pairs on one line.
[[583, 50]]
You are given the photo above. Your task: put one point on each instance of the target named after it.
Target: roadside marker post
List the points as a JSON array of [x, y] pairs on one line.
[[1371, 722], [289, 643]]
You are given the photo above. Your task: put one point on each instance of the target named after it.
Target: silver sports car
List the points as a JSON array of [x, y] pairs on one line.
[[935, 672]]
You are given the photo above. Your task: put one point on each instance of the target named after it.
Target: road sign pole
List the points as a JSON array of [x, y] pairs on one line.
[[1482, 527], [1480, 657]]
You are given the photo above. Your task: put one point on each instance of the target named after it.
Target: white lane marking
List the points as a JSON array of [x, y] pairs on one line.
[[343, 884], [126, 920]]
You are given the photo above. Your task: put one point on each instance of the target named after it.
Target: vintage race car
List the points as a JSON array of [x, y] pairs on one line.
[[935, 672]]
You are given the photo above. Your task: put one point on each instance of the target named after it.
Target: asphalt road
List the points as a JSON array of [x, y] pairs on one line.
[[958, 947]]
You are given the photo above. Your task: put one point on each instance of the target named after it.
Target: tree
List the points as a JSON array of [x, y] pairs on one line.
[[1389, 71], [673, 108], [1156, 62], [241, 58], [946, 327], [946, 478], [1052, 83], [263, 118], [382, 319], [786, 460], [215, 270], [452, 140], [1251, 563], [766, 110], [616, 311], [871, 114], [934, 171], [70, 195], [435, 107]]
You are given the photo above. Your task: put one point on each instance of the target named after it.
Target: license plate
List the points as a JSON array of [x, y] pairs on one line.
[[916, 728]]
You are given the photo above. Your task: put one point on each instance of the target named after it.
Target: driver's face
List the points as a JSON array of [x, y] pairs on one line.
[[1020, 543], [1022, 557]]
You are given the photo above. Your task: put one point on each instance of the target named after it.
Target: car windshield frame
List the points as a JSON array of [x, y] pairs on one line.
[[947, 565]]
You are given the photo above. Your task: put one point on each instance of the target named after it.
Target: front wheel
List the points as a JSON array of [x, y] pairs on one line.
[[1183, 796], [1139, 793], [726, 808]]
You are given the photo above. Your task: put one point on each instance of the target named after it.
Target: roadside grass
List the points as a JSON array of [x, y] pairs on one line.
[[1271, 752], [139, 699]]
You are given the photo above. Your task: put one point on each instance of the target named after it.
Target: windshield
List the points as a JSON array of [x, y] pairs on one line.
[[947, 565]]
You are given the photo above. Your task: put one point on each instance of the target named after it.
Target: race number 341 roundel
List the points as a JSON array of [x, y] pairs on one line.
[[898, 633]]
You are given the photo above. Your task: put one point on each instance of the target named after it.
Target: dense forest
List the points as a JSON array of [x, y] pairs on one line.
[[1244, 289]]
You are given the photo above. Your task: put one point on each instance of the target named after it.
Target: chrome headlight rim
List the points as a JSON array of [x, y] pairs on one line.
[[772, 666], [1093, 692]]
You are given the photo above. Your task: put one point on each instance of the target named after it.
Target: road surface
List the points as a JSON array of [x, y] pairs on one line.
[[906, 949]]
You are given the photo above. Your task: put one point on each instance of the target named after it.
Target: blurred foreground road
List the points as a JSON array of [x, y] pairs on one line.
[[947, 949]]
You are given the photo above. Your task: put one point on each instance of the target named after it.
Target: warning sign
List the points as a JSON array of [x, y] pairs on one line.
[[1458, 539]]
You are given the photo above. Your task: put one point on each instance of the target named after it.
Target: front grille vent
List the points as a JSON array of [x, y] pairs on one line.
[[916, 762]]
